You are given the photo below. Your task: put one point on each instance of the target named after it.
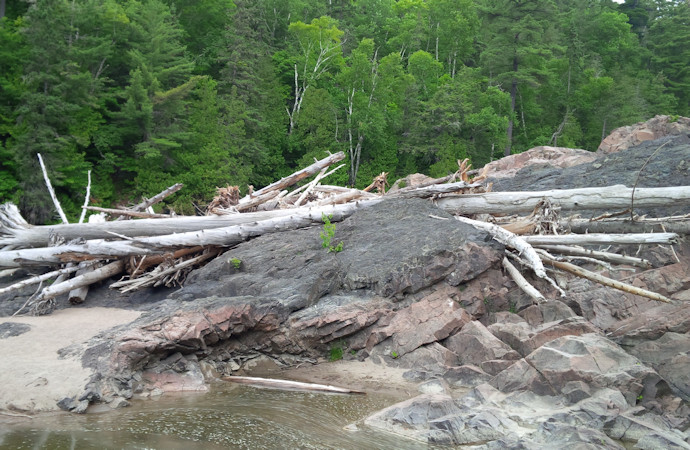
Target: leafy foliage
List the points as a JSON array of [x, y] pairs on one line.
[[147, 93]]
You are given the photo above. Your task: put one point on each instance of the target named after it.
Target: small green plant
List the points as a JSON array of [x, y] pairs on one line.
[[236, 263], [336, 352], [353, 352], [394, 354], [513, 307], [327, 235], [640, 398]]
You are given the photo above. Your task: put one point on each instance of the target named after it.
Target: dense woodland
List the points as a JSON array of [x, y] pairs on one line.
[[148, 93]]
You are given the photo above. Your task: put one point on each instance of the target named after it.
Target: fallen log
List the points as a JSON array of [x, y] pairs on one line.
[[78, 295], [102, 273], [580, 272], [521, 282], [289, 385], [511, 240], [604, 256], [627, 226], [143, 206], [432, 190], [299, 175], [38, 279], [126, 212], [612, 197], [16, 232], [100, 249], [602, 239]]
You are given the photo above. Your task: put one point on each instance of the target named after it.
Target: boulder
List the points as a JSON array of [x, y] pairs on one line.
[[655, 128], [596, 361], [475, 345], [543, 156]]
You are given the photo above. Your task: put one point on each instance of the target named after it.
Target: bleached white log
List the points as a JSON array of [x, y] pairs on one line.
[[99, 249], [604, 256], [86, 197], [56, 202], [521, 282], [430, 191], [607, 198], [87, 279], [299, 175], [37, 279], [602, 239], [287, 384], [511, 240]]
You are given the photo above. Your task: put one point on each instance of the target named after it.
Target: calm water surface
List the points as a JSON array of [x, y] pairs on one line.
[[230, 416]]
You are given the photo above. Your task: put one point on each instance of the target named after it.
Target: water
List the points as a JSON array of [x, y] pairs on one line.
[[230, 416]]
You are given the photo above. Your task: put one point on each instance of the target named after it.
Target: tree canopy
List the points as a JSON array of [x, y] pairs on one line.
[[148, 93]]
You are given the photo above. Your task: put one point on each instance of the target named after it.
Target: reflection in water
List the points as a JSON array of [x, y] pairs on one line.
[[230, 416]]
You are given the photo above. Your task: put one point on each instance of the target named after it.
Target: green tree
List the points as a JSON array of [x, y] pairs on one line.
[[518, 40], [318, 51], [668, 40]]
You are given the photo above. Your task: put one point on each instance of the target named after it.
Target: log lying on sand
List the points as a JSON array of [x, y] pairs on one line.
[[610, 198], [289, 385]]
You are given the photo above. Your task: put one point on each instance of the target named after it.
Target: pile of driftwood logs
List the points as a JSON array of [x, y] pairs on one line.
[[161, 249]]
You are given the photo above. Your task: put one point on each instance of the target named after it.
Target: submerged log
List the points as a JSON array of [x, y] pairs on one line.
[[612, 198], [289, 385]]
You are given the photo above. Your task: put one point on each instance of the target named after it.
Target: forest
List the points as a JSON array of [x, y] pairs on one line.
[[210, 93]]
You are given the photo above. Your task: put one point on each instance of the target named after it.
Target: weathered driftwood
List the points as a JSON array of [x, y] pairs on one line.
[[148, 261], [99, 249], [289, 385], [78, 295], [17, 232], [299, 175], [580, 272], [432, 190], [511, 240], [63, 217], [522, 283], [38, 279], [255, 200], [143, 206], [82, 216], [604, 256], [612, 197], [155, 277], [345, 197], [679, 226], [102, 273], [602, 239], [126, 212]]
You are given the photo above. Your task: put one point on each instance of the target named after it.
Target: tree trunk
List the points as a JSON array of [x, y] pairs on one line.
[[607, 198]]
